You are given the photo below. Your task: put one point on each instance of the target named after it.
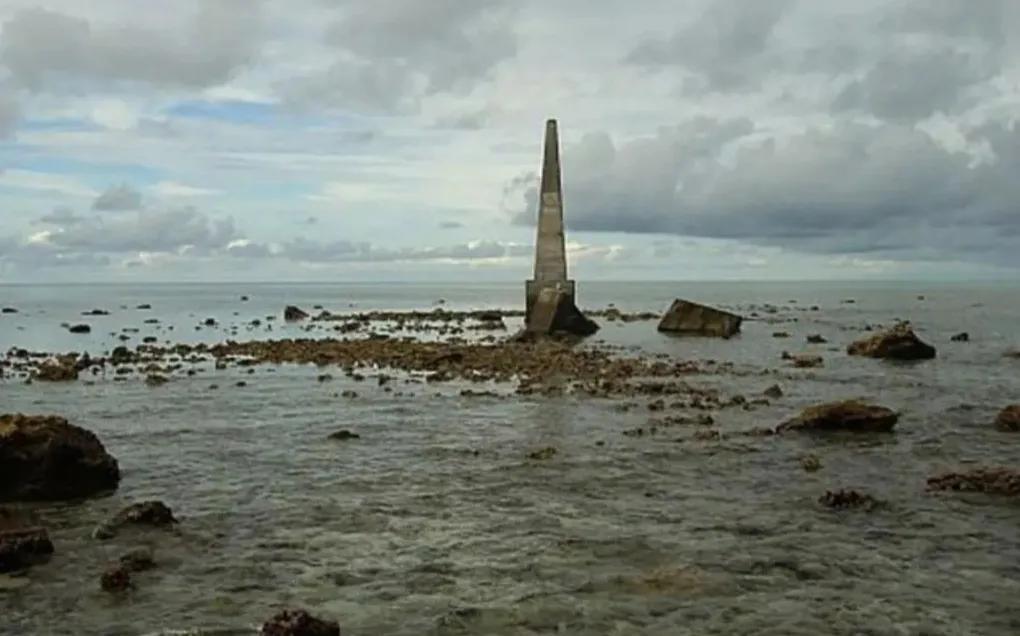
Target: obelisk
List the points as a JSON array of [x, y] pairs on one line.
[[550, 245]]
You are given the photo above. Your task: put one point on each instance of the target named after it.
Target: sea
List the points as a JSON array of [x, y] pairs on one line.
[[436, 521]]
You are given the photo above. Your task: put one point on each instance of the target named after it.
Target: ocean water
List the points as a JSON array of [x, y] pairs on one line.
[[436, 522]]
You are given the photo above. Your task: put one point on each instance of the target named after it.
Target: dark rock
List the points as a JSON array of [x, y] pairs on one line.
[[807, 361], [847, 499], [8, 310], [685, 317], [780, 334], [344, 435], [816, 339], [144, 306], [244, 299], [22, 544], [850, 415], [1008, 419], [774, 391], [137, 560], [961, 337], [154, 514], [46, 458], [115, 579], [294, 314], [95, 312], [898, 343], [992, 481], [543, 453], [56, 372], [80, 329], [122, 355], [210, 322], [810, 463], [155, 379], [298, 623]]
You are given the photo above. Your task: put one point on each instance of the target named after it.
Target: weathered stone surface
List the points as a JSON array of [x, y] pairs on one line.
[[293, 314], [298, 623], [897, 343], [685, 317], [1009, 419], [850, 415], [22, 542], [992, 481], [554, 312], [46, 458]]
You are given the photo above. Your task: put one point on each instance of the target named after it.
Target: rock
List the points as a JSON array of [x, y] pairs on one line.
[[554, 312], [137, 560], [993, 481], [46, 458], [294, 314], [8, 310], [807, 361], [774, 391], [80, 329], [244, 299], [850, 415], [22, 543], [1009, 419], [115, 579], [780, 334], [810, 463], [963, 336], [56, 372], [144, 306], [155, 514], [543, 453], [298, 623], [344, 435], [122, 355], [898, 343], [95, 312], [685, 317], [816, 339], [847, 499], [155, 379]]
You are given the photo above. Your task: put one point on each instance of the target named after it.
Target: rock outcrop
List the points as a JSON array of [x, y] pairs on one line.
[[294, 314], [1009, 419], [687, 318], [298, 623], [155, 514], [56, 372], [992, 481], [844, 499], [897, 343], [850, 415], [554, 312], [46, 458], [22, 542]]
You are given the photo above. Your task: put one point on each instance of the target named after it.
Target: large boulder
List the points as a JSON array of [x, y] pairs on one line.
[[897, 343], [849, 415], [685, 317], [298, 623], [46, 458], [554, 312], [1009, 419], [293, 314]]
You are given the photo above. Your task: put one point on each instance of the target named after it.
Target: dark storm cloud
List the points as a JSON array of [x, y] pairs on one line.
[[43, 48], [844, 188], [391, 53], [118, 198]]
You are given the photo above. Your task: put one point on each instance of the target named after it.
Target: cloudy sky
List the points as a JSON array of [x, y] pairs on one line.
[[401, 139]]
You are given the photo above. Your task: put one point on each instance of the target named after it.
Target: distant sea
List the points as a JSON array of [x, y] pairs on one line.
[[435, 521]]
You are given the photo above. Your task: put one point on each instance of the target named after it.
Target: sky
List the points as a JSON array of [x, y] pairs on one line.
[[350, 140]]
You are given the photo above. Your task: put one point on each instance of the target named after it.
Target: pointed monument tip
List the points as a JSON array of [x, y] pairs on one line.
[[550, 122]]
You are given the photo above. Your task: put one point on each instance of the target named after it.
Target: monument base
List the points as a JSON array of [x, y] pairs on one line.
[[532, 288], [554, 313]]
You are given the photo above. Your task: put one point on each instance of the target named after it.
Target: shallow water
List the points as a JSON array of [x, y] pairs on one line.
[[436, 522]]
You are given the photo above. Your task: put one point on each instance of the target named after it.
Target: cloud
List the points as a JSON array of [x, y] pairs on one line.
[[45, 49], [61, 216], [450, 225], [118, 198], [169, 231], [844, 188], [308, 251], [389, 54], [10, 113]]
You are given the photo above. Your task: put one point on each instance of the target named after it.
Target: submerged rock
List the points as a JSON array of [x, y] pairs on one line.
[[810, 463], [46, 458], [774, 391], [22, 543], [961, 337], [816, 339], [344, 435], [115, 579], [56, 372], [298, 623], [294, 314], [685, 317], [992, 481], [847, 499], [807, 361], [145, 513], [543, 453], [137, 560], [897, 343], [80, 329], [849, 415], [1009, 419]]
